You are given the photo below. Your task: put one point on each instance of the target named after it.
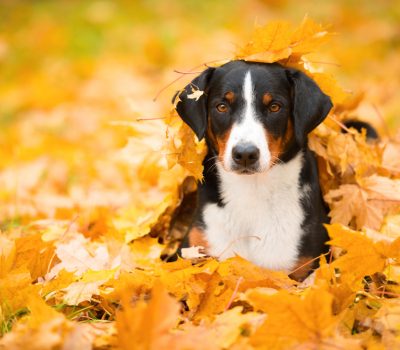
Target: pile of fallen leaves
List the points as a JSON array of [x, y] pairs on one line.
[[80, 264]]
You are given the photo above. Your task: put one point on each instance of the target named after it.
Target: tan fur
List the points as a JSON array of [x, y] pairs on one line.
[[267, 98], [197, 237], [230, 96], [219, 142], [277, 145], [222, 141]]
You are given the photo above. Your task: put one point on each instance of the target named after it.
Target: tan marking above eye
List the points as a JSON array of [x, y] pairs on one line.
[[267, 98], [222, 108], [274, 107], [230, 96]]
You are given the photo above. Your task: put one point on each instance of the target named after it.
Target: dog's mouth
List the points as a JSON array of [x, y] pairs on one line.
[[248, 170]]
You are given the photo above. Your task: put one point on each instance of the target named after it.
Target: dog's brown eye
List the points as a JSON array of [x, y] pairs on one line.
[[222, 108], [274, 107]]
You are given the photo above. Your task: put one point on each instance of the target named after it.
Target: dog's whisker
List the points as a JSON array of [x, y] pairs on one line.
[[211, 159], [213, 166]]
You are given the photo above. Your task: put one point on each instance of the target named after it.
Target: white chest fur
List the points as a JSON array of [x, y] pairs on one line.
[[262, 217]]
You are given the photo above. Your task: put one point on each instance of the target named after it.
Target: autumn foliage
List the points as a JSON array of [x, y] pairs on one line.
[[97, 182]]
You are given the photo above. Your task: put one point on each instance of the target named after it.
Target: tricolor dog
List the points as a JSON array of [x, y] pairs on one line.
[[261, 197]]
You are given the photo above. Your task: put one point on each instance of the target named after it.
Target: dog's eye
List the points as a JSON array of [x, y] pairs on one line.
[[274, 107], [222, 108]]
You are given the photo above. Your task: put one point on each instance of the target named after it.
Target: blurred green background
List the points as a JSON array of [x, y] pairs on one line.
[[49, 50], [53, 45]]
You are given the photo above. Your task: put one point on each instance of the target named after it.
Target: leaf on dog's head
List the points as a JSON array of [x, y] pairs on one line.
[[277, 41], [308, 36], [268, 44]]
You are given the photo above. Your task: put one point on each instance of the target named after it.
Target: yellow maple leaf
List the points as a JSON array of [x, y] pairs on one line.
[[63, 280], [329, 86], [183, 149], [268, 44], [308, 36], [252, 276], [7, 255], [363, 256], [35, 254], [14, 289], [216, 298], [136, 222], [146, 325], [327, 279], [188, 282], [228, 328], [294, 320], [40, 311], [190, 153]]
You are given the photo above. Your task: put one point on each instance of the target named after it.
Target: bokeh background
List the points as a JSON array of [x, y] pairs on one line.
[[73, 72]]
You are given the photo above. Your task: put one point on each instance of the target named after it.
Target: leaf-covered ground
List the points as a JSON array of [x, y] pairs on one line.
[[92, 171]]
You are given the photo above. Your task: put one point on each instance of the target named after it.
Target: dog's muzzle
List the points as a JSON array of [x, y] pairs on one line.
[[245, 158]]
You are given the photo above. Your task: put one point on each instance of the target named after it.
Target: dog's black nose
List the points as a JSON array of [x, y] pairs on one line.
[[245, 154]]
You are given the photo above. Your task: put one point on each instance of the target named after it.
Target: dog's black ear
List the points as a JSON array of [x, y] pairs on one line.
[[193, 109], [310, 104]]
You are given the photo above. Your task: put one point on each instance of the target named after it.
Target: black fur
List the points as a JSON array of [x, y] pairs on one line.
[[310, 105], [192, 111], [359, 125]]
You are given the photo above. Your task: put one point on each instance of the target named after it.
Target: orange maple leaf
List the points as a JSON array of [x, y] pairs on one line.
[[146, 325], [363, 256], [291, 320]]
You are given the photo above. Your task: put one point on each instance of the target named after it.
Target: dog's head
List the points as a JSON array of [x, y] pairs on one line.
[[251, 113]]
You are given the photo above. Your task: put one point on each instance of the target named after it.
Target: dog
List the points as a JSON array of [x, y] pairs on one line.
[[260, 197]]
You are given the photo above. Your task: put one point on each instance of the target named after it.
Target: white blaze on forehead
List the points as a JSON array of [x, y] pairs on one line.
[[249, 129], [248, 92]]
